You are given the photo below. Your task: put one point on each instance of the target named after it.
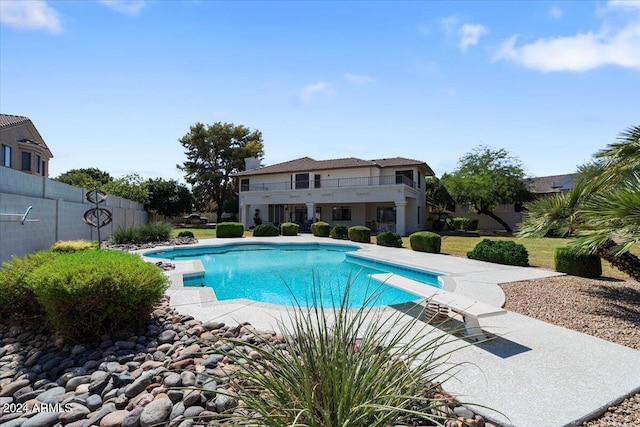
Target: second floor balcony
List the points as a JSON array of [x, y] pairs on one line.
[[365, 181]]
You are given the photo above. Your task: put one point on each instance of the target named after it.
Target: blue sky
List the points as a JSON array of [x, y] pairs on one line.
[[114, 84]]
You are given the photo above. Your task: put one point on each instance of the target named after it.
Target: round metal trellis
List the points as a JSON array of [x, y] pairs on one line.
[[97, 216]]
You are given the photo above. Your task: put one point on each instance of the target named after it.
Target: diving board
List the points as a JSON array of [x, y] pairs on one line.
[[470, 310]]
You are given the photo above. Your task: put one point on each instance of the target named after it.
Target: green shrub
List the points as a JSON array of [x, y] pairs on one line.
[[321, 229], [340, 232], [289, 229], [17, 299], [74, 245], [186, 233], [568, 261], [229, 229], [345, 367], [425, 241], [91, 293], [389, 238], [146, 233], [464, 224], [501, 252], [266, 230], [360, 234]]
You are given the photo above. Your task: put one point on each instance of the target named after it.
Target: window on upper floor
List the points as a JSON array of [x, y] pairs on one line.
[[302, 180], [317, 181], [26, 161], [6, 156], [244, 184], [341, 213], [38, 164]]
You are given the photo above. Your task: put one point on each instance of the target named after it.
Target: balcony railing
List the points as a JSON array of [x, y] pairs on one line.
[[366, 181]]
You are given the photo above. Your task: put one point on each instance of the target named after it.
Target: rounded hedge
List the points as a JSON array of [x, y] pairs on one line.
[[321, 229], [265, 230], [425, 241], [186, 233], [464, 223], [500, 252], [18, 300], [91, 293], [359, 233], [340, 232], [289, 229], [567, 260], [389, 238], [229, 229]]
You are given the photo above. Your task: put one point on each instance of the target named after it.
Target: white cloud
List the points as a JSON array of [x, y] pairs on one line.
[[311, 91], [470, 35], [555, 12], [359, 79], [127, 7], [30, 15], [625, 4], [449, 24], [610, 45]]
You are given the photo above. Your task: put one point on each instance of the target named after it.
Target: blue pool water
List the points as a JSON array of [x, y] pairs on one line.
[[272, 273]]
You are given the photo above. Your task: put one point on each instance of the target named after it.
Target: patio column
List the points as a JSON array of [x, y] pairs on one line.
[[311, 211], [401, 217], [244, 214]]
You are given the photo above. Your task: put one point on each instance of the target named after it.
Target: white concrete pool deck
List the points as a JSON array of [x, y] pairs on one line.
[[532, 374]]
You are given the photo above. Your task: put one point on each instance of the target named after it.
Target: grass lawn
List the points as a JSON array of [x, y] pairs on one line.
[[541, 251]]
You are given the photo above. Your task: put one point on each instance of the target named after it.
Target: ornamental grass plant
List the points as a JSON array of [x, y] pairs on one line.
[[342, 367]]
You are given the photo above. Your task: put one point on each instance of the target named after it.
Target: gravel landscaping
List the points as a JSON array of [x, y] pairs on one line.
[[606, 308]]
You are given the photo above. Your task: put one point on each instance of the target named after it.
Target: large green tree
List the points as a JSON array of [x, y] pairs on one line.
[[214, 153], [89, 178], [168, 197], [486, 177], [602, 210], [131, 187]]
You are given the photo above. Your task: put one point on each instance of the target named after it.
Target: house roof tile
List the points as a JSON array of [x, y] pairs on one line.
[[9, 119], [550, 184], [308, 164]]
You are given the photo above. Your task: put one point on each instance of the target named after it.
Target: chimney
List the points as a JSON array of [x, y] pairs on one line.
[[251, 163]]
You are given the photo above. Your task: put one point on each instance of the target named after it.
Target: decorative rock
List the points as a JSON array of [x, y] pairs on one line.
[[225, 403], [94, 401], [133, 418], [167, 336], [42, 419], [193, 411], [463, 412], [191, 398], [136, 387], [51, 396], [114, 419], [11, 388], [156, 412], [172, 380], [188, 378]]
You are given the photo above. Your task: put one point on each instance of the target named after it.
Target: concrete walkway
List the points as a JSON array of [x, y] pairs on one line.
[[531, 374]]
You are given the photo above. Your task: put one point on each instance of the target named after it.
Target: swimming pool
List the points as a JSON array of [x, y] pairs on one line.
[[273, 272]]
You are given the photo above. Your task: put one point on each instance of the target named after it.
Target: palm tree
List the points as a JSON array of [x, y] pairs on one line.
[[611, 216], [602, 210]]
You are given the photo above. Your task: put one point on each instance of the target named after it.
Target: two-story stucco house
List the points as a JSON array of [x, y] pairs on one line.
[[22, 147], [383, 194]]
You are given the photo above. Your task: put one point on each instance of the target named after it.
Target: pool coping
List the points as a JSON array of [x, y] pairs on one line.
[[531, 374]]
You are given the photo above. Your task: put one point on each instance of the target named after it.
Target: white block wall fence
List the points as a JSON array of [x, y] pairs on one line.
[[58, 207]]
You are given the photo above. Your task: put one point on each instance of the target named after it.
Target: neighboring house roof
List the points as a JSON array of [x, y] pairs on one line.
[[9, 120], [551, 184], [305, 164]]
